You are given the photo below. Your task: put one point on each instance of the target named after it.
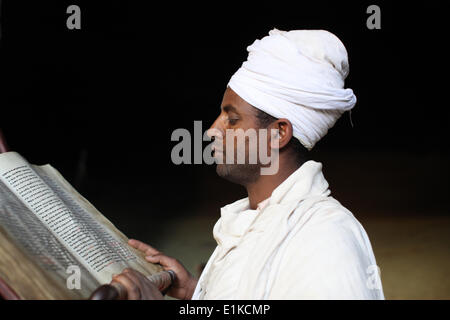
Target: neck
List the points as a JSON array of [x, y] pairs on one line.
[[262, 188]]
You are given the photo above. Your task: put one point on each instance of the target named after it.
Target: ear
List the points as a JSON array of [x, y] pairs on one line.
[[280, 133]]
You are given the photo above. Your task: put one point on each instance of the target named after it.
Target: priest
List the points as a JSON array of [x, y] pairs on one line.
[[289, 238]]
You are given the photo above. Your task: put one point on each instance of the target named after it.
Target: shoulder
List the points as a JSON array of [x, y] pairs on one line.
[[327, 256], [332, 230]]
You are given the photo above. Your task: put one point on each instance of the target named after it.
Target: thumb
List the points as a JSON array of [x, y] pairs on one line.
[[161, 259]]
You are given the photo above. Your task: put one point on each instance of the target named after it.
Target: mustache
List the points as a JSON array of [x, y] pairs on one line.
[[217, 150]]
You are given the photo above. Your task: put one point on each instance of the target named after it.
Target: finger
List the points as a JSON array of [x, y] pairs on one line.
[[141, 246], [135, 276], [134, 273], [138, 277], [151, 292], [165, 261], [148, 290], [127, 282]]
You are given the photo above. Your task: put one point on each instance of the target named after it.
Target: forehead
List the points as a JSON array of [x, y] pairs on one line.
[[231, 98]]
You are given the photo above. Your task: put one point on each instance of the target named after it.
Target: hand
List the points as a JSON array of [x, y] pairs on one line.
[[184, 285], [137, 285]]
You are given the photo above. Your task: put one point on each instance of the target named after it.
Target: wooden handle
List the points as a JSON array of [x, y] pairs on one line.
[[115, 291]]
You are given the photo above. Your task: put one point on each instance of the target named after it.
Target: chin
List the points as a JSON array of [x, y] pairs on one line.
[[222, 170], [238, 173]]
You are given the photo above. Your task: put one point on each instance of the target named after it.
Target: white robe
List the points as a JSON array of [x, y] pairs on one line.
[[302, 245]]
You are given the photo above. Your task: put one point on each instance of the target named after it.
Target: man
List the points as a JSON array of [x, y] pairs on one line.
[[289, 239]]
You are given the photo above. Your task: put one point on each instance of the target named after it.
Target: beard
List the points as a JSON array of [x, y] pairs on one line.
[[242, 174], [243, 166]]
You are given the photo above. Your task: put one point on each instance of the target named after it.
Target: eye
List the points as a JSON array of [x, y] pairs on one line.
[[232, 121]]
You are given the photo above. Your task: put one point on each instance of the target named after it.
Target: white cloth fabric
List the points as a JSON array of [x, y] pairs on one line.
[[303, 244], [298, 75]]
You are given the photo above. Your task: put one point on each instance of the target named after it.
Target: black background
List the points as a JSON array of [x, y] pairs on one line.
[[135, 72]]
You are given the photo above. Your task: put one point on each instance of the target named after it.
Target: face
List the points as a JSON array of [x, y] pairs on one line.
[[235, 114]]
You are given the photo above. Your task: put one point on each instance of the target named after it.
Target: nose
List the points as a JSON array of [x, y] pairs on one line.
[[216, 130]]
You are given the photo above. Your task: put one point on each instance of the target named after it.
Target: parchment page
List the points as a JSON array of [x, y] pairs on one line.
[[94, 242], [32, 260]]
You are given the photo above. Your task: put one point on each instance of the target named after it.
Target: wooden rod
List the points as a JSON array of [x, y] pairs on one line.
[[115, 291]]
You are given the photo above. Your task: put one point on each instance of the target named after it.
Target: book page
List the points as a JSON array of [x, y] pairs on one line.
[[71, 219], [104, 231], [27, 241]]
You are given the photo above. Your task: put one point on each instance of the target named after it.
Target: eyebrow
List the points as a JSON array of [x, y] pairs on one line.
[[229, 108]]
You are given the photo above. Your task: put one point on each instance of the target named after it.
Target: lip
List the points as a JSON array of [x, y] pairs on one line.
[[216, 147], [217, 153]]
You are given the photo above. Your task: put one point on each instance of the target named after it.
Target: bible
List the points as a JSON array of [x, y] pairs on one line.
[[54, 244]]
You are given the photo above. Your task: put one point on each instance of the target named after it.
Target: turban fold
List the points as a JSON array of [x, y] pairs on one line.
[[298, 75]]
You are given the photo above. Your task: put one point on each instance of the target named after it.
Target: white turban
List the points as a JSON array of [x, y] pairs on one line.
[[298, 75]]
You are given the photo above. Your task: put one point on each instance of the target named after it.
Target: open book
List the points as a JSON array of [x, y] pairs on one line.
[[49, 234]]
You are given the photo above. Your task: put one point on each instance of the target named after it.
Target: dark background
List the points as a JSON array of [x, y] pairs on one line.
[[100, 103]]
